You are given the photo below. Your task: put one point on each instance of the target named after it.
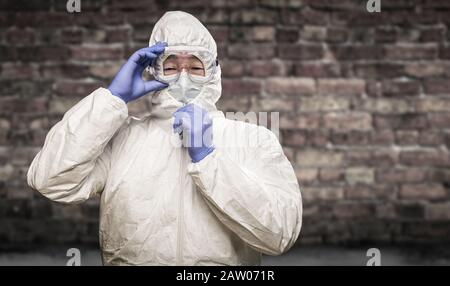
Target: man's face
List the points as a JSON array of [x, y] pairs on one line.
[[176, 63]]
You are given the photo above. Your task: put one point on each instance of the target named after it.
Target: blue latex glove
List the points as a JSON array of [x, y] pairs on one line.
[[128, 83], [195, 126]]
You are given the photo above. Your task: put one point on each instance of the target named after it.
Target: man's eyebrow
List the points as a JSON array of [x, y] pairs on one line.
[[171, 57], [194, 58]]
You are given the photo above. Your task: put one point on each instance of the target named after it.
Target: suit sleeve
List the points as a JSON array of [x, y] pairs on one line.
[[256, 197], [73, 164]]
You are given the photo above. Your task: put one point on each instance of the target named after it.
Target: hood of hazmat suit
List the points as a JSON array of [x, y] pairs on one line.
[[157, 207], [181, 29]]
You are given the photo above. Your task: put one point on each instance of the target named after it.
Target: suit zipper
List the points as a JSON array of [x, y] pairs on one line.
[[180, 216]]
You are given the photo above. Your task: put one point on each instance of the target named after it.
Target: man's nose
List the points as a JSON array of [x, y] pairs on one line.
[[184, 66]]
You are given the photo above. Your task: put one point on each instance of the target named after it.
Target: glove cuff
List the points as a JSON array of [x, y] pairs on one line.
[[198, 156], [115, 94]]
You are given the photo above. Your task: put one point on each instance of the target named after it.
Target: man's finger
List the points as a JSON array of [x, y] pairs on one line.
[[158, 48], [145, 56]]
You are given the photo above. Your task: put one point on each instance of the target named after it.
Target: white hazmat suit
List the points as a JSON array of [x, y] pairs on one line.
[[157, 206]]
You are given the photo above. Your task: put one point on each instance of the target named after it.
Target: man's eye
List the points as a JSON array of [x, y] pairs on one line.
[[197, 68], [169, 69]]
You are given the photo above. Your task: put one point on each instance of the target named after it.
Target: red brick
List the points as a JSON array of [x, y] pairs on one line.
[[386, 105], [319, 158], [341, 86], [437, 4], [293, 138], [444, 52], [400, 175], [287, 35], [360, 192], [97, 53], [71, 36], [306, 15], [331, 174], [314, 193], [233, 103], [75, 88], [317, 70], [323, 103], [300, 52], [266, 68], [355, 52], [252, 34], [425, 70], [304, 121], [438, 211], [313, 33], [439, 120], [43, 53], [336, 35], [20, 36], [250, 52], [437, 86], [382, 137], [117, 35], [213, 16], [406, 137], [424, 158], [231, 68], [400, 88], [377, 157], [439, 175], [276, 104], [359, 176], [410, 211], [219, 33], [385, 35], [240, 87], [306, 175], [431, 138], [317, 138], [353, 210], [289, 152], [432, 34], [378, 70], [253, 16], [348, 121], [60, 70], [350, 138], [403, 121], [411, 52], [429, 191], [17, 71], [433, 105], [290, 86]]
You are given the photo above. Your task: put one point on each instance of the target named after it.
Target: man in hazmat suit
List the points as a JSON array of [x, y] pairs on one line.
[[183, 185]]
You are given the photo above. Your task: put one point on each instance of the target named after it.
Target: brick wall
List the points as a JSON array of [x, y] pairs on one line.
[[364, 103]]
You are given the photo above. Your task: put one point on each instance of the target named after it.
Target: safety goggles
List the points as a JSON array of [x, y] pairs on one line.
[[199, 63]]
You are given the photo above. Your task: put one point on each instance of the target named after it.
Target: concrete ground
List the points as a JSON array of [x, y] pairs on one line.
[[332, 256]]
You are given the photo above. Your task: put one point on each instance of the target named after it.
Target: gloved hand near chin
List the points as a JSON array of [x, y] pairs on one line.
[[195, 125], [128, 83]]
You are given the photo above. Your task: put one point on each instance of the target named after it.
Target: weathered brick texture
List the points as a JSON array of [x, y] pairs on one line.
[[364, 103]]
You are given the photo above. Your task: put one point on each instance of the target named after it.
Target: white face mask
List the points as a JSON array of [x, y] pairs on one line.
[[184, 89]]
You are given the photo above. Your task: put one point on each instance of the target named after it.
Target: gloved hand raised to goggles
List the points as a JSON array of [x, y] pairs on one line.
[[195, 126], [128, 83]]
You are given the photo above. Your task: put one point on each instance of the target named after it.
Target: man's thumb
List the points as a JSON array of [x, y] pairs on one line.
[[154, 85]]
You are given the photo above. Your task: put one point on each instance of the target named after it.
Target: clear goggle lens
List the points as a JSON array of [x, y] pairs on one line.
[[199, 63]]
